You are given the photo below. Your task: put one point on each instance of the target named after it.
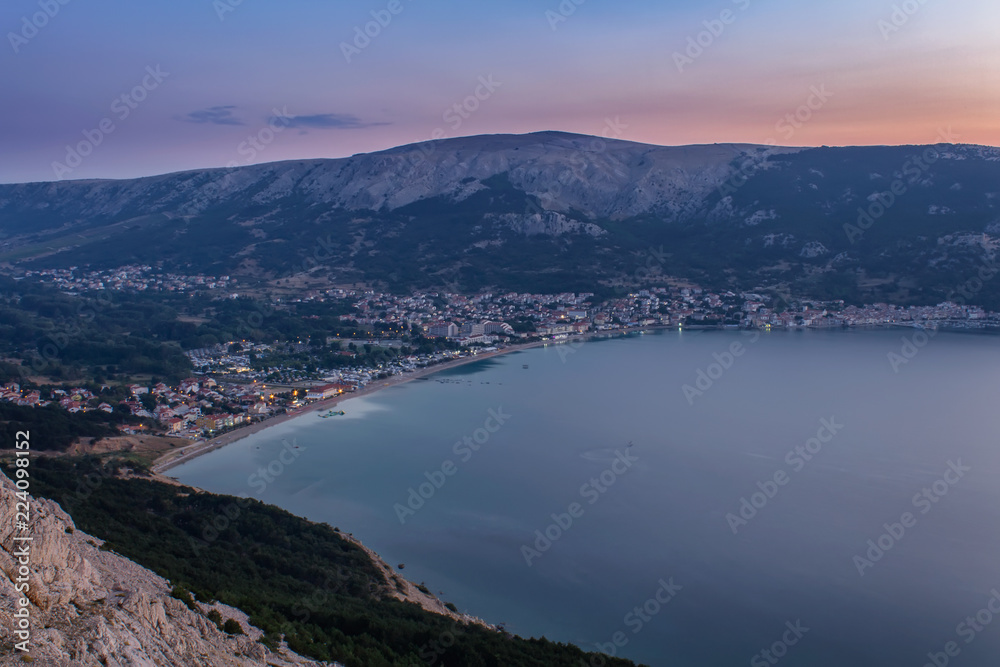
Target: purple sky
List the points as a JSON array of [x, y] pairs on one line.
[[238, 82]]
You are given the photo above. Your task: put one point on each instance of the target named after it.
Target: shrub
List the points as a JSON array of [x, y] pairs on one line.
[[184, 596], [231, 627]]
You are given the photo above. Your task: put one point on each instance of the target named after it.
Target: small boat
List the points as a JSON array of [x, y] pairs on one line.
[[331, 413], [525, 366]]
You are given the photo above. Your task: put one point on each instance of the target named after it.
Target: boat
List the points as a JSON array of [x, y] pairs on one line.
[[331, 413], [524, 366]]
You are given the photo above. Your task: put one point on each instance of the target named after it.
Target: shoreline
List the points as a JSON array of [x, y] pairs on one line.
[[190, 452]]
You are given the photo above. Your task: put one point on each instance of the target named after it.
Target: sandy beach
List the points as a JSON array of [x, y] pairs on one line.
[[196, 449]]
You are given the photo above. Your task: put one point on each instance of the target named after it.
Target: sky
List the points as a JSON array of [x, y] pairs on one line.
[[116, 89]]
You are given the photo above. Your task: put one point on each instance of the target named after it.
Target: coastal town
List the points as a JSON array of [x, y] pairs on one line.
[[484, 317], [134, 278], [246, 381]]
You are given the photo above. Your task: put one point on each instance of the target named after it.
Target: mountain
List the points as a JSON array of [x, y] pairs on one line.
[[545, 212]]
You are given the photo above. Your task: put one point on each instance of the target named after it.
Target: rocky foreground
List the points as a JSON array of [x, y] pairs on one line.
[[93, 607]]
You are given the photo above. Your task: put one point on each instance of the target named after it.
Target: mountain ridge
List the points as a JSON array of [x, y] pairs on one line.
[[455, 140], [581, 211]]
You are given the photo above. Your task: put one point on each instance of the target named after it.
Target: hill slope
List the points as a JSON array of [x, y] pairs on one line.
[[547, 210], [319, 590], [88, 606]]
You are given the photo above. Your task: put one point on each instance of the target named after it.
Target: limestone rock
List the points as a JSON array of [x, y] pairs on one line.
[[90, 607]]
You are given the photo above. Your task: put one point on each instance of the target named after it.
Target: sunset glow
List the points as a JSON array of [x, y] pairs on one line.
[[671, 73]]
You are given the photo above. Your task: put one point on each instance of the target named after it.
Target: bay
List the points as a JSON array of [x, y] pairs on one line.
[[669, 511]]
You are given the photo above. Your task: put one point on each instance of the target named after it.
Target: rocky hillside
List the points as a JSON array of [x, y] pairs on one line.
[[292, 587], [547, 210], [93, 607], [594, 177]]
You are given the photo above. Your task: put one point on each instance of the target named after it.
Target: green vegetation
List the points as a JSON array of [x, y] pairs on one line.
[[231, 627], [97, 338], [781, 228], [292, 577], [749, 234], [92, 337], [52, 428], [184, 596]]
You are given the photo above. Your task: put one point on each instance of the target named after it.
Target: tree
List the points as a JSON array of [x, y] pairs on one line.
[[231, 627], [148, 401], [184, 596]]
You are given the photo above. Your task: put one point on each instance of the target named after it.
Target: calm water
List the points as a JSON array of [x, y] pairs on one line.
[[671, 513]]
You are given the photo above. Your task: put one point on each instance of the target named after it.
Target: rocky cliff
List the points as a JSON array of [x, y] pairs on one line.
[[88, 606]]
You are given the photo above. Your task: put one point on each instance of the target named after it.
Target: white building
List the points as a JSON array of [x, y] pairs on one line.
[[443, 329]]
